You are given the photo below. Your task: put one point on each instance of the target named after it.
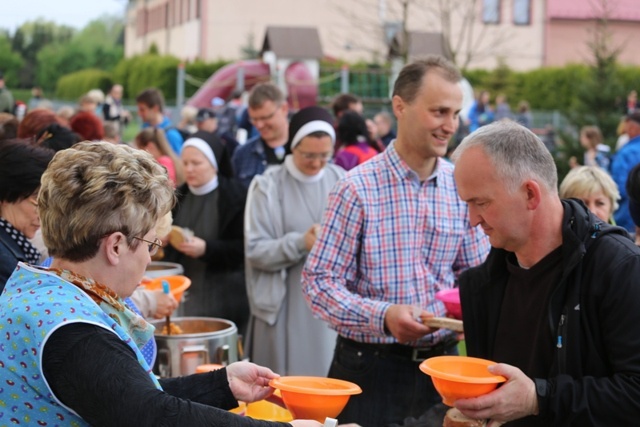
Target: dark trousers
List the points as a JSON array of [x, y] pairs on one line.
[[393, 387]]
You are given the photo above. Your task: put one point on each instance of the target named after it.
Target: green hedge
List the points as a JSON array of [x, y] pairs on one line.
[[72, 86], [142, 72], [551, 88]]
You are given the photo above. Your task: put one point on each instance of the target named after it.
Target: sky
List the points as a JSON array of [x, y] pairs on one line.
[[74, 13]]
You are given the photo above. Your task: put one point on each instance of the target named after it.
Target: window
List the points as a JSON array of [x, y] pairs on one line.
[[522, 12], [491, 11]]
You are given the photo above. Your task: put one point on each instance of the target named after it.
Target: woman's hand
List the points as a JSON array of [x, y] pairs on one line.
[[310, 236], [195, 247], [165, 304], [250, 382]]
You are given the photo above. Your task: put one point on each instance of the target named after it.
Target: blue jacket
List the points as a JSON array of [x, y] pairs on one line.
[[249, 160], [624, 160]]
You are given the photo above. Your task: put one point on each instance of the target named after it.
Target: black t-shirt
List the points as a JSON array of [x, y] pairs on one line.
[[92, 371], [524, 337], [275, 156]]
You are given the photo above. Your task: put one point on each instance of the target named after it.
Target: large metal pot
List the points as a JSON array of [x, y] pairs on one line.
[[163, 268], [204, 340]]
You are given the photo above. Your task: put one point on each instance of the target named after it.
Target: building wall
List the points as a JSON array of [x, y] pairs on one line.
[[568, 41], [352, 30]]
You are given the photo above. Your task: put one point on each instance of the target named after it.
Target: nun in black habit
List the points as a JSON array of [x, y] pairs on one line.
[[211, 204]]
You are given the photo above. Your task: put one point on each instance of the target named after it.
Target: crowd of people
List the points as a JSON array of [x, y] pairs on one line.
[[324, 236]]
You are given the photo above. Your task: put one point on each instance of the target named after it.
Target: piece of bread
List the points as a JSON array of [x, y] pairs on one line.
[[455, 418], [444, 323], [176, 236]]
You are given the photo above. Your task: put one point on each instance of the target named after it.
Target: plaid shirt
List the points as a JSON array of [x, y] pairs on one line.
[[389, 239]]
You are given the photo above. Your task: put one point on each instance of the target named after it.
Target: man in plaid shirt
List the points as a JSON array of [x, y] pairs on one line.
[[394, 233]]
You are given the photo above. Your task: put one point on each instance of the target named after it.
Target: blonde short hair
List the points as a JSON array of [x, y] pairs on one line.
[[97, 188], [584, 181], [189, 113]]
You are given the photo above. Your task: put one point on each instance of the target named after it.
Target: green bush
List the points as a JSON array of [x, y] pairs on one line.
[[549, 88], [74, 85], [153, 71]]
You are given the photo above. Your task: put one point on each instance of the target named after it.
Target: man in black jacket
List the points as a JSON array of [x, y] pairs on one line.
[[557, 301]]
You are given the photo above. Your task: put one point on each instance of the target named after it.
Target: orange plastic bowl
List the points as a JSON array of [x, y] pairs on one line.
[[263, 410], [314, 398], [451, 300], [460, 377], [177, 285]]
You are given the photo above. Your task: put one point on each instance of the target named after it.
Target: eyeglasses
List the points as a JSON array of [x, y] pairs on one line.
[[254, 120], [153, 246], [325, 157], [33, 201]]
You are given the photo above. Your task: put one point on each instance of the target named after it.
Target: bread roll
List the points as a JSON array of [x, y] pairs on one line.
[[455, 418], [444, 323], [176, 236]]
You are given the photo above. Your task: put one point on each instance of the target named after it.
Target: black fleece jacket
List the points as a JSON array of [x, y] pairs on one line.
[[594, 379]]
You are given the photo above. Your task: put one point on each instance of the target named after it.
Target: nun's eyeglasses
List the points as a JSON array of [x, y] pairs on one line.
[[325, 157], [153, 246]]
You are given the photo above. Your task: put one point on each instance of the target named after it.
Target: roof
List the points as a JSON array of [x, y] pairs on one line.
[[622, 10], [293, 42], [421, 43]]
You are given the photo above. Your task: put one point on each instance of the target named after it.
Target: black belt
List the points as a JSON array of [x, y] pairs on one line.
[[414, 354]]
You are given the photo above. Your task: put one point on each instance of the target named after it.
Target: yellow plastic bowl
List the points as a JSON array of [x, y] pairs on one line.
[[267, 411]]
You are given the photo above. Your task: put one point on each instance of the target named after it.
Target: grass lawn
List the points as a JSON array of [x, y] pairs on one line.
[[462, 348], [130, 132]]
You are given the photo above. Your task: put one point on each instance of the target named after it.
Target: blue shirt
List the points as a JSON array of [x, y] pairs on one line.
[[173, 136], [625, 159]]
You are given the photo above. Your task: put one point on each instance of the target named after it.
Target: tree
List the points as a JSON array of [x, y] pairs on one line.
[[595, 101], [30, 38], [10, 62], [464, 37], [95, 46], [249, 51]]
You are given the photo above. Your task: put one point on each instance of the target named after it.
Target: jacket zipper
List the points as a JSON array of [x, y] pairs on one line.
[[560, 344]]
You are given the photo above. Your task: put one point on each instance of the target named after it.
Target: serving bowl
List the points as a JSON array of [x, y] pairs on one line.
[[264, 410], [461, 377], [451, 300], [177, 285], [314, 398]]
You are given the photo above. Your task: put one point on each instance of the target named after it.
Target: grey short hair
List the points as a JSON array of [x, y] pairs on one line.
[[263, 92], [97, 188], [516, 153]]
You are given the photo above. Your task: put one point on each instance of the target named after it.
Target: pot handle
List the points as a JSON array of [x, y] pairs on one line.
[[222, 354], [197, 349]]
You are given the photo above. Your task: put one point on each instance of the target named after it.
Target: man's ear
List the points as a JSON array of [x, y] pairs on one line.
[[533, 193], [398, 106]]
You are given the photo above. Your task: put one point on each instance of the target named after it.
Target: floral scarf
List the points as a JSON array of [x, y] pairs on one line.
[[137, 328]]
